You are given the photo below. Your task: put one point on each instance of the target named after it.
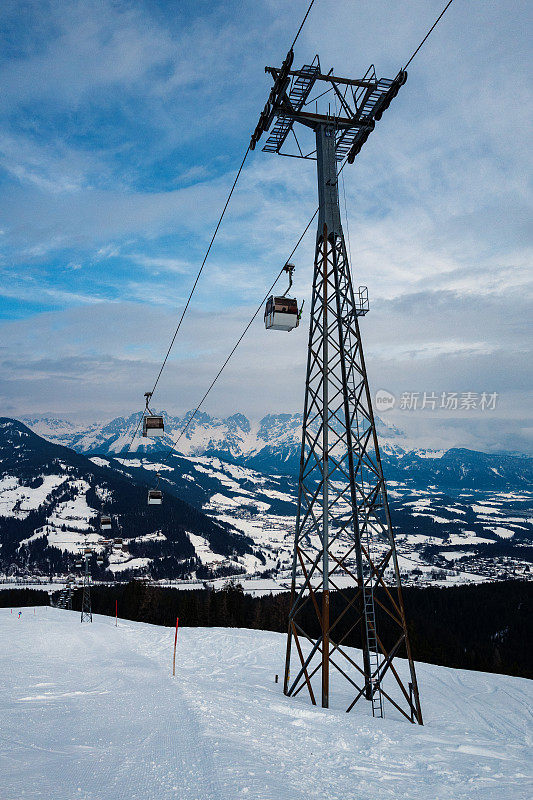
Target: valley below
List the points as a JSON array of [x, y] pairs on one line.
[[459, 516]]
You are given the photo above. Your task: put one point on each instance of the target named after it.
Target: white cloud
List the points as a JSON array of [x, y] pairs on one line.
[[161, 263], [108, 251], [438, 201], [101, 359]]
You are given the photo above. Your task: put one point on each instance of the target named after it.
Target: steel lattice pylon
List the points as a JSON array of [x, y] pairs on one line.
[[343, 540]]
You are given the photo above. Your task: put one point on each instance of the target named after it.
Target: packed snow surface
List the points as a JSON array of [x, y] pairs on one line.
[[91, 711]]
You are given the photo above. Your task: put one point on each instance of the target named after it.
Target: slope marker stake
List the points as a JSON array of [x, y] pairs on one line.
[[175, 643]]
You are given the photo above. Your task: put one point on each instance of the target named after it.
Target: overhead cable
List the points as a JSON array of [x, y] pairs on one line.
[[303, 23], [224, 211], [239, 340], [429, 32], [221, 217]]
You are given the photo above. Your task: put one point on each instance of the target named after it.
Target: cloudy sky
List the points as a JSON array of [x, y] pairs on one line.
[[122, 125]]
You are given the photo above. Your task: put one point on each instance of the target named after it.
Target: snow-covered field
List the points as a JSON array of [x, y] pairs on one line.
[[92, 712]]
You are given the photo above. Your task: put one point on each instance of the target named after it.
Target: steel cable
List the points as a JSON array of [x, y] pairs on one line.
[[221, 217], [429, 32], [207, 254], [218, 226], [239, 340], [303, 23]]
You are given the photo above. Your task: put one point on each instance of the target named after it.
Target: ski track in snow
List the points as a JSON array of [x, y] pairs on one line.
[[92, 712], [110, 724]]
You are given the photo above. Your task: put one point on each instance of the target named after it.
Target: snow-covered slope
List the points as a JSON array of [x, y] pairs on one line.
[[51, 499], [92, 712], [235, 435]]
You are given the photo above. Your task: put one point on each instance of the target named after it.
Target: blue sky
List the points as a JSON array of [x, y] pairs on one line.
[[121, 127]]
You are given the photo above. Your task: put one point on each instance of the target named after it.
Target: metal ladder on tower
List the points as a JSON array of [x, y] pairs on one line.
[[298, 93], [374, 655], [373, 650], [62, 599]]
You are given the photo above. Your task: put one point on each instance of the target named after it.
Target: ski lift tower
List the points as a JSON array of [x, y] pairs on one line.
[[344, 538]]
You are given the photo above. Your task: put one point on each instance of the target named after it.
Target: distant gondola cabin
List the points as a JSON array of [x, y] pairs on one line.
[[153, 426], [155, 497], [281, 314], [105, 523]]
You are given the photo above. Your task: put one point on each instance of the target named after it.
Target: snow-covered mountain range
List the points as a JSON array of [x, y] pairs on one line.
[[272, 446], [235, 436], [219, 517]]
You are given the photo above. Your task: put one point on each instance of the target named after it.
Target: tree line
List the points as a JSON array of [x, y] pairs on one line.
[[486, 627]]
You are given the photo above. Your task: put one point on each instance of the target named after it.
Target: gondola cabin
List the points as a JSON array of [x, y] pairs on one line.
[[105, 523], [281, 314], [99, 559], [117, 541], [153, 426], [155, 497], [78, 565]]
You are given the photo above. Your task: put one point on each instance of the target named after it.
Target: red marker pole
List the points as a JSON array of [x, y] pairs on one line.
[[175, 643], [116, 613]]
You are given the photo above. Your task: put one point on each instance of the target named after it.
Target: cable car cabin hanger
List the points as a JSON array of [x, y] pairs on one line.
[[281, 313], [152, 423]]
